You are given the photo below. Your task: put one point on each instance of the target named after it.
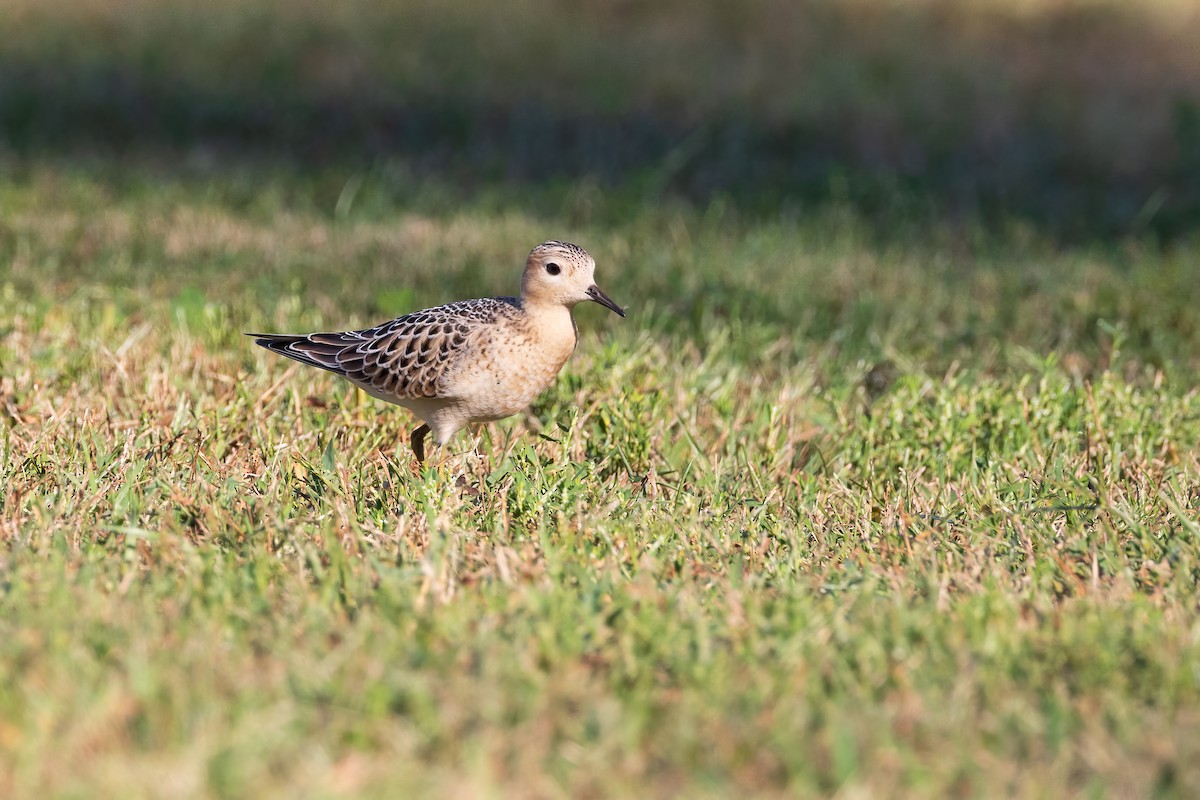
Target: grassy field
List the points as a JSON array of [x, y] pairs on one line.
[[882, 489]]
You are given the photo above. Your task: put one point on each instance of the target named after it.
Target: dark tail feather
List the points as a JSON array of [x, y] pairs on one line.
[[305, 349]]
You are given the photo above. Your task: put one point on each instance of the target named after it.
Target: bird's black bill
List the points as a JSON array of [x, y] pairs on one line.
[[603, 299]]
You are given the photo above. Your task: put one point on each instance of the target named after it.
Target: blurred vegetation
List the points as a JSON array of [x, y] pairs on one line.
[[1081, 117]]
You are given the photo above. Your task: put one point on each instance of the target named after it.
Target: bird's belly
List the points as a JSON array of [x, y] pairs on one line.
[[501, 389]]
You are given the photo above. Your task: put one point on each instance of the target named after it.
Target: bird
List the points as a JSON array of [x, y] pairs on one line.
[[467, 362]]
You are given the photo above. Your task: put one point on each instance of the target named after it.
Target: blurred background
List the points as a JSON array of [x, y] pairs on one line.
[[1077, 118]]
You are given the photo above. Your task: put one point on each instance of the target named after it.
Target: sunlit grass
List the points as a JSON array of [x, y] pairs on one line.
[[823, 514]]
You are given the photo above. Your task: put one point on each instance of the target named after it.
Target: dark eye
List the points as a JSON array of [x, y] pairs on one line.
[[553, 268]]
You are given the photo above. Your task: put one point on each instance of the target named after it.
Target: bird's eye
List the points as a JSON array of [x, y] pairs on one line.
[[553, 268]]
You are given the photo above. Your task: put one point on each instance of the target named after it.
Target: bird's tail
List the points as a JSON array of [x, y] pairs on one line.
[[314, 349]]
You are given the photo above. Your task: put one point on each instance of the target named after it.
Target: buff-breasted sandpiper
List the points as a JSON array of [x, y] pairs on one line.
[[467, 362]]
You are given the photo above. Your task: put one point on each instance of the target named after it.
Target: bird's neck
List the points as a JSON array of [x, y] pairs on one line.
[[553, 323]]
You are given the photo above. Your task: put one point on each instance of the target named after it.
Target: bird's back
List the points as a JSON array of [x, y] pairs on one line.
[[411, 357]]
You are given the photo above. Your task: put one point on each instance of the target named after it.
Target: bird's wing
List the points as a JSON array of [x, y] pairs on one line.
[[406, 358]]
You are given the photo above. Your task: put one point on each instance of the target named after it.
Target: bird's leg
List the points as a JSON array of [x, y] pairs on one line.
[[418, 443]]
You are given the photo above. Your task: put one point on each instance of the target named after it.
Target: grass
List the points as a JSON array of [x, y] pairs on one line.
[[986, 110], [816, 517], [856, 501]]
